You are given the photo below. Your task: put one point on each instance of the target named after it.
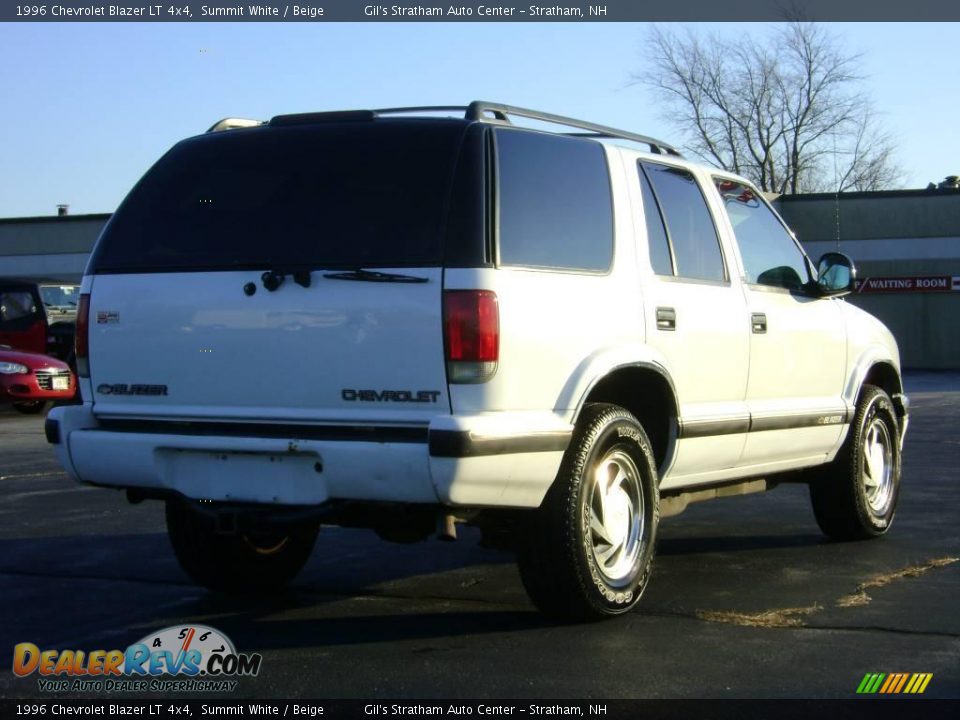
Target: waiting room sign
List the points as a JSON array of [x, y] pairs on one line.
[[914, 284]]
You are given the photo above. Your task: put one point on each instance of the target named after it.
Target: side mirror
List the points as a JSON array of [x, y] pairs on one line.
[[836, 275]]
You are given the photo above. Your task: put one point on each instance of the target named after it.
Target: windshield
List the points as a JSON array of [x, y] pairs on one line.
[[336, 195], [59, 295]]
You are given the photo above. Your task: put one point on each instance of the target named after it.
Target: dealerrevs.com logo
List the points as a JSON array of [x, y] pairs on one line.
[[191, 658]]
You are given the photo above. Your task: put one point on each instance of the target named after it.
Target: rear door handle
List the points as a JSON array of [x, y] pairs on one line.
[[666, 318], [758, 322]]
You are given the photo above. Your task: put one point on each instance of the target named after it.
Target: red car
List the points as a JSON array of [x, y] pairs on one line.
[[30, 381]]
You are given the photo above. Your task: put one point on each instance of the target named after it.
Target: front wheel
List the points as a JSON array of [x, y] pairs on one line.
[[34, 407], [855, 497], [588, 550], [251, 562]]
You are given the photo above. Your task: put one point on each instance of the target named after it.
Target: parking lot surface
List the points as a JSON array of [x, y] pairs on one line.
[[747, 599]]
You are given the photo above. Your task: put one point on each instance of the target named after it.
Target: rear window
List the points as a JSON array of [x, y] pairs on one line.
[[555, 205], [16, 305], [336, 195]]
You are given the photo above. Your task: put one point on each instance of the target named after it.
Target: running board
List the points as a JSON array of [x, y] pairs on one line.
[[675, 504]]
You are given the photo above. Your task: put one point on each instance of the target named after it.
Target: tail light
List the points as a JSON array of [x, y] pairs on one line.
[[81, 347], [471, 324]]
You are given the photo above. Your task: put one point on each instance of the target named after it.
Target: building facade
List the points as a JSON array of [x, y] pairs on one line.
[[906, 245]]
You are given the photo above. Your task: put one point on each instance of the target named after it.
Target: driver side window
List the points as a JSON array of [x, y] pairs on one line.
[[770, 254]]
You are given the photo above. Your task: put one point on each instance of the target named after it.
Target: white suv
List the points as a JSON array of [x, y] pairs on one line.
[[394, 320]]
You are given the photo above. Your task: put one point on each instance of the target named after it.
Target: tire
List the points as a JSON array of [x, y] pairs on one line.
[[855, 496], [236, 563], [34, 407], [587, 552]]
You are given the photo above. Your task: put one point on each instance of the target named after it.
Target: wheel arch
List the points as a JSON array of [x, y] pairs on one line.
[[875, 368], [878, 369], [885, 376], [646, 390]]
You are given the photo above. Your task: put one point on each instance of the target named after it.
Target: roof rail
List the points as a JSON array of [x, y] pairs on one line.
[[233, 123], [479, 109], [357, 115], [421, 109]]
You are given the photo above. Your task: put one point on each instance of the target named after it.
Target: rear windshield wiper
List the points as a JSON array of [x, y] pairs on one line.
[[374, 276]]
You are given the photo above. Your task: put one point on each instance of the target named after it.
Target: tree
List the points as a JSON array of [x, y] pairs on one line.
[[786, 111]]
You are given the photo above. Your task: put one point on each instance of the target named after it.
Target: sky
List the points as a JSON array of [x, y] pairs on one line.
[[86, 108]]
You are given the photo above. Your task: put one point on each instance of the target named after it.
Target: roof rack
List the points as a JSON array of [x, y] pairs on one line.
[[233, 123], [478, 110], [421, 109]]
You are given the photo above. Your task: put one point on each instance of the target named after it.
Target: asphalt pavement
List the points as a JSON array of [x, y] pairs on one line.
[[747, 599]]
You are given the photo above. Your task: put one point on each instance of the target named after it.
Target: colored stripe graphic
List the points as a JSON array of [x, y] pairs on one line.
[[903, 680], [923, 679], [870, 683], [891, 681], [894, 683]]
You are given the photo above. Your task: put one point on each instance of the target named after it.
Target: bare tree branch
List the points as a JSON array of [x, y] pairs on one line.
[[787, 110]]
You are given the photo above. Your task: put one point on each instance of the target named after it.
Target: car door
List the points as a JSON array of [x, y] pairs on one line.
[[797, 340], [23, 325], [694, 319]]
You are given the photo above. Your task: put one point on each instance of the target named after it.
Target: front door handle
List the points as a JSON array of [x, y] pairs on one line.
[[666, 318], [758, 322]]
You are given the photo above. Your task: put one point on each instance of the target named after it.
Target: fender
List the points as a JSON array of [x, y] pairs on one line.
[[869, 343], [599, 366], [595, 367], [860, 368]]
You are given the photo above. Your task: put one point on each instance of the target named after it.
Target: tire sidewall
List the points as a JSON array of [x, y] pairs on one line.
[[231, 563], [876, 405], [620, 432], [33, 407]]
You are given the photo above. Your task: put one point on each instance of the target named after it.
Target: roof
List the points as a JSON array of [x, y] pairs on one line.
[[55, 218]]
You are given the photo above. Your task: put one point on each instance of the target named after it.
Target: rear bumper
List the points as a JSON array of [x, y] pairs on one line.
[[498, 460]]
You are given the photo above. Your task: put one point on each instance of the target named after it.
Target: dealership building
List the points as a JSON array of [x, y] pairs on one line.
[[905, 243]]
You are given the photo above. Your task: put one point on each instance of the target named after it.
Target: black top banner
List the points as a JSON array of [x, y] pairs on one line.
[[489, 11], [161, 709]]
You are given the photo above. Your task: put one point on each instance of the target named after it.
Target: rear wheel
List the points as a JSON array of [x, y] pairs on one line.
[[241, 562], [588, 550], [855, 497]]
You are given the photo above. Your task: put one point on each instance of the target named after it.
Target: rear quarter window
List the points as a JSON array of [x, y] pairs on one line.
[[555, 206]]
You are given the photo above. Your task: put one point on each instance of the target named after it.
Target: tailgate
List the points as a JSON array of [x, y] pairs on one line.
[[182, 323], [194, 345]]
